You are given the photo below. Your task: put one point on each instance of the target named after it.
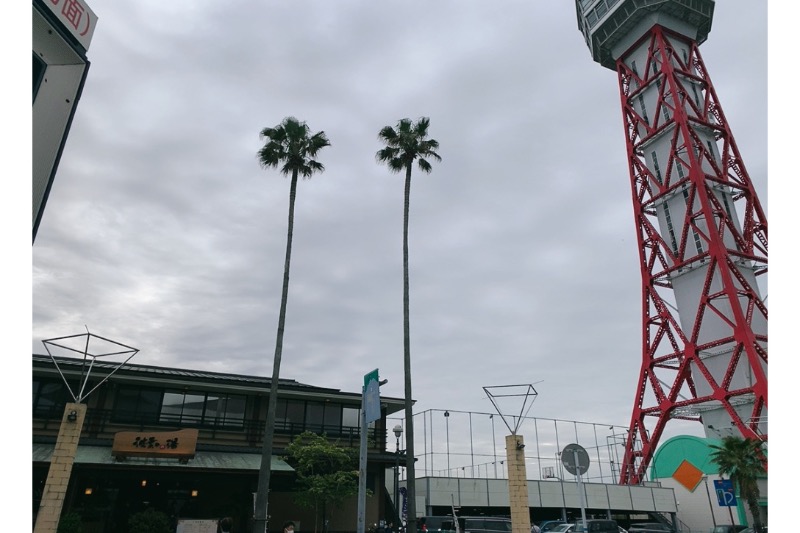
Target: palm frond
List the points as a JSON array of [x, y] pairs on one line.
[[407, 143], [290, 145]]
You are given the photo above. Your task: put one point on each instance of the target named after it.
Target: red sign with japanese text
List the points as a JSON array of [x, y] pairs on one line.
[[77, 16]]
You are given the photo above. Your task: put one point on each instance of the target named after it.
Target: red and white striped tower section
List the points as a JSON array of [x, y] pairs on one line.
[[701, 231]]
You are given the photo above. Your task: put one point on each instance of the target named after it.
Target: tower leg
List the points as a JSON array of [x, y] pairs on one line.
[[702, 239]]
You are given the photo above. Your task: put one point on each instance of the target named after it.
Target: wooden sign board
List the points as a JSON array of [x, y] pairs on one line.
[[181, 444]]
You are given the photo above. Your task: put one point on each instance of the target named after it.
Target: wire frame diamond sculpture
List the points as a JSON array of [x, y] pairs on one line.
[[91, 347], [500, 394]]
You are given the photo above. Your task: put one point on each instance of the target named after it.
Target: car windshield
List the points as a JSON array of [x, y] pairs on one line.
[[562, 527]]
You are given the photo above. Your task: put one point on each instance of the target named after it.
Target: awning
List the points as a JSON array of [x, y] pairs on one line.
[[101, 455]]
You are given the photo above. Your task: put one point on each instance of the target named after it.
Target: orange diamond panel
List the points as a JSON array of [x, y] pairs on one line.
[[688, 475]]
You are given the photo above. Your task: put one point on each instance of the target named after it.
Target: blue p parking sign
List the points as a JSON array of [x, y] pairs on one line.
[[725, 494]]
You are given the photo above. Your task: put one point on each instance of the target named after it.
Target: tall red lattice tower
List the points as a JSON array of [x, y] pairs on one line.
[[701, 231]]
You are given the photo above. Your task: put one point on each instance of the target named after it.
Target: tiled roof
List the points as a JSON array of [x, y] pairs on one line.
[[130, 369]]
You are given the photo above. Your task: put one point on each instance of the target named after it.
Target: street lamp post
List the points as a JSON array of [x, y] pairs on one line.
[[398, 432], [447, 438]]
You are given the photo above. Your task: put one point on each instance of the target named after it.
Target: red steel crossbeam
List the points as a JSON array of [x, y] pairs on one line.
[[709, 237]]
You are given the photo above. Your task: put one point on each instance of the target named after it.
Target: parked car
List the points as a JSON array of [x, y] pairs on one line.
[[596, 526], [727, 528], [549, 525], [479, 524], [432, 523], [649, 527]]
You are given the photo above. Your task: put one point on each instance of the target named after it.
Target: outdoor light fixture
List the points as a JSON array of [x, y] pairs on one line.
[[447, 414], [144, 483], [195, 493], [72, 416], [520, 446], [88, 490], [398, 432]]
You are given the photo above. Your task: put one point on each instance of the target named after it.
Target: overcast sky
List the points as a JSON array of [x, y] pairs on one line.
[[162, 232]]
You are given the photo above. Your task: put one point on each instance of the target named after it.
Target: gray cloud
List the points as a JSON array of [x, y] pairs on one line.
[[162, 231]]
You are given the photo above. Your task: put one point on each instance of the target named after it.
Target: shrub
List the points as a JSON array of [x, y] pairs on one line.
[[149, 521], [70, 523]]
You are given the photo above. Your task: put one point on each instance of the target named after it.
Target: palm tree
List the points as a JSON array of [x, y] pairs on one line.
[[742, 460], [291, 146], [404, 145]]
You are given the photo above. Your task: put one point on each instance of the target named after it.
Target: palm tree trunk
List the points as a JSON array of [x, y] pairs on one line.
[[755, 510], [265, 471], [410, 481]]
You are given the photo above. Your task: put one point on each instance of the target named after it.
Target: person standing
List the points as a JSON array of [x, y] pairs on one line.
[[225, 525]]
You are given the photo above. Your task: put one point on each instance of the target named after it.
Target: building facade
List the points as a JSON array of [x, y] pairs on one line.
[[188, 443]]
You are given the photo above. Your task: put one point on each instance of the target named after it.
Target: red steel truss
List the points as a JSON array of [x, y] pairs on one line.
[[667, 387]]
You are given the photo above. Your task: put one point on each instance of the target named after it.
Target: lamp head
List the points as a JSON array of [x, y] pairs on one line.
[[398, 430], [72, 416]]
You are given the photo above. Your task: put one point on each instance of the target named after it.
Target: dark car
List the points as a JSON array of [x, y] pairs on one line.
[[728, 529], [432, 523], [479, 524], [649, 527]]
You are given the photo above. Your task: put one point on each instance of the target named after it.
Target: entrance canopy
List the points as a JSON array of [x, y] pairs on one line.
[[202, 460]]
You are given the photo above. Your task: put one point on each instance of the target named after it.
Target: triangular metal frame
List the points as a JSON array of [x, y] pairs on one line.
[[78, 396], [527, 391]]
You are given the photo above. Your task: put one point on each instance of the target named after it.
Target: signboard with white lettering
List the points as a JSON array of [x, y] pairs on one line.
[[197, 526], [77, 17], [179, 444]]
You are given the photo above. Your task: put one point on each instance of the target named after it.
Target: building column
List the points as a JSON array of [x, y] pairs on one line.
[[55, 488], [518, 484]]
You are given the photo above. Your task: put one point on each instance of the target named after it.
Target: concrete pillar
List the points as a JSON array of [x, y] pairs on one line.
[[518, 484], [55, 488]]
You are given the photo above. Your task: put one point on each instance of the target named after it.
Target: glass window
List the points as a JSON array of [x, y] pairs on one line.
[[314, 416], [656, 167], [229, 410], [49, 396], [137, 405], [644, 109], [350, 417], [171, 407], [234, 410], [295, 414], [670, 228], [193, 406], [39, 66], [333, 417]]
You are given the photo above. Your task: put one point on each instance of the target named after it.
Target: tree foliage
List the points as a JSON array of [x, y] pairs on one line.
[[327, 472], [742, 460], [70, 523], [149, 521], [406, 144]]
